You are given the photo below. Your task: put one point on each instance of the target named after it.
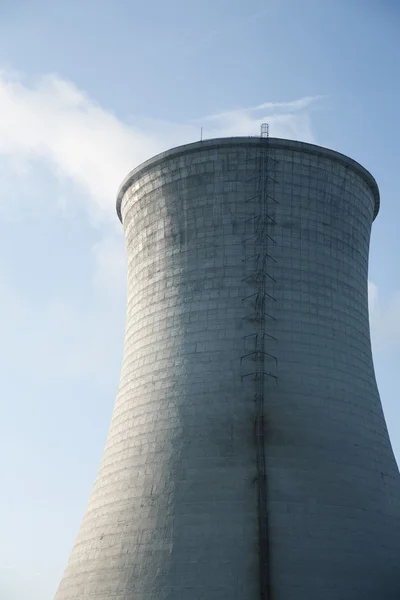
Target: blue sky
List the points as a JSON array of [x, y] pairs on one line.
[[87, 91]]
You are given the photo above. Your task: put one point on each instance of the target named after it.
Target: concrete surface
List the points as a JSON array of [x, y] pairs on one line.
[[175, 512]]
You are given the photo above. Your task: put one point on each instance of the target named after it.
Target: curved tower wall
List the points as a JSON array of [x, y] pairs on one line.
[[248, 456]]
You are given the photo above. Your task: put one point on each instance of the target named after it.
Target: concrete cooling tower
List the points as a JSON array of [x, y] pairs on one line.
[[248, 456]]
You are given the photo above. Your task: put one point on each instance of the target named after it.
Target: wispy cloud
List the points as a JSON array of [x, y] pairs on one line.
[[372, 296], [286, 119], [78, 140], [295, 105], [384, 320], [270, 107], [52, 129], [55, 122]]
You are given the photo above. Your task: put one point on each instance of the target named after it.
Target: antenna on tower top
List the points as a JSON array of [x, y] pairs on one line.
[[264, 130]]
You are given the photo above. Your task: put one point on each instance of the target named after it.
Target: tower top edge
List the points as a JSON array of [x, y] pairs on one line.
[[276, 143]]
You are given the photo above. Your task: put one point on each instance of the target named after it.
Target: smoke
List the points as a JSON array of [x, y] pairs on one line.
[[77, 141]]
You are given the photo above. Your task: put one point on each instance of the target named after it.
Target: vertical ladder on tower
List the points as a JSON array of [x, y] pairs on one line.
[[259, 362]]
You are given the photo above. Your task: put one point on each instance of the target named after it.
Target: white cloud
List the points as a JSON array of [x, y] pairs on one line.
[[286, 120], [278, 107], [53, 127], [384, 319], [372, 296], [52, 131], [59, 124], [291, 125]]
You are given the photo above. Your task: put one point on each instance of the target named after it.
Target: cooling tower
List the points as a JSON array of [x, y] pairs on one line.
[[248, 456]]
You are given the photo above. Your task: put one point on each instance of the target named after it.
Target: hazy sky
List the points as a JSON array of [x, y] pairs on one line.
[[90, 88]]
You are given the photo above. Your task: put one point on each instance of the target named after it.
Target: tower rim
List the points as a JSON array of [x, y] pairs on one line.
[[218, 143]]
